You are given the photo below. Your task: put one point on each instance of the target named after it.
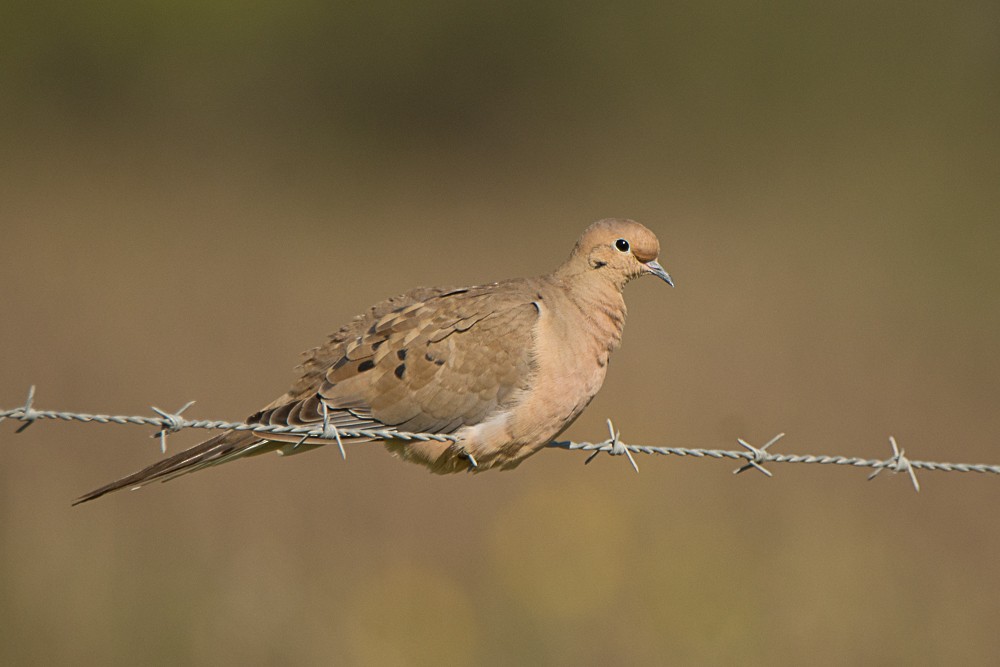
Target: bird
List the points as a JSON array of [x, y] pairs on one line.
[[503, 367]]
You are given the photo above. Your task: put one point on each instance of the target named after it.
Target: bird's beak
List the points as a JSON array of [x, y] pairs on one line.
[[655, 269]]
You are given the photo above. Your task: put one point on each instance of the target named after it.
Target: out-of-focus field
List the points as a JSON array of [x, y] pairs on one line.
[[192, 193]]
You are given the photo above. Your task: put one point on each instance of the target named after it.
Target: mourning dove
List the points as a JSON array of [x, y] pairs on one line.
[[504, 367]]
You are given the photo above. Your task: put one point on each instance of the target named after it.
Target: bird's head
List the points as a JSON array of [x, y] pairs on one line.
[[621, 249]]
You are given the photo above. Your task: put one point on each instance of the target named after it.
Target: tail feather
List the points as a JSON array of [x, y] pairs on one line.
[[220, 449]]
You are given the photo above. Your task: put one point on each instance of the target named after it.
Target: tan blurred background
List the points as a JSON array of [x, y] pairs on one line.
[[193, 192]]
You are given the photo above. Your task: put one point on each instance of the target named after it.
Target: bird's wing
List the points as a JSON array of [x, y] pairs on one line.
[[429, 361]]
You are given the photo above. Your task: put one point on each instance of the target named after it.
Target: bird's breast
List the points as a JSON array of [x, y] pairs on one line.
[[573, 343]]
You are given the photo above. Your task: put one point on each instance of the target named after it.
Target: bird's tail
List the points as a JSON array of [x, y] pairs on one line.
[[220, 449]]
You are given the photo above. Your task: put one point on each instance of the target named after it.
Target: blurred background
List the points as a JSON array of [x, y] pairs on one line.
[[193, 192]]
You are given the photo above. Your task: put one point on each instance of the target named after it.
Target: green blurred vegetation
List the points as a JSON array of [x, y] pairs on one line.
[[698, 75], [192, 192]]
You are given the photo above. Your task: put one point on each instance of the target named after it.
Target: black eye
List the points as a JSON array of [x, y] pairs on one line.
[[622, 245]]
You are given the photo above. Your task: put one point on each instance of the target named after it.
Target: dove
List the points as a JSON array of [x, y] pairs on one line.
[[504, 367]]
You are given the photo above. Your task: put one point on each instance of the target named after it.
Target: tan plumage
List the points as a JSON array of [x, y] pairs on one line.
[[506, 367]]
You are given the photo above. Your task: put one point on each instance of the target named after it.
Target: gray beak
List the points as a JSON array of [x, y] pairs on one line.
[[658, 271]]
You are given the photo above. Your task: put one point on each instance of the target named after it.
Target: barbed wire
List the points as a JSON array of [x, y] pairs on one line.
[[754, 458]]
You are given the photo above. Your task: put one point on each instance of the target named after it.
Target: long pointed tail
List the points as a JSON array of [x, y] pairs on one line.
[[220, 449]]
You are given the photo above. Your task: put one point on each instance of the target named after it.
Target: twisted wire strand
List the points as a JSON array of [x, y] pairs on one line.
[[752, 457], [780, 458], [172, 423]]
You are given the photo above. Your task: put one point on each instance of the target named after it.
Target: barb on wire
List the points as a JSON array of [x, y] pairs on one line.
[[28, 414], [752, 457], [172, 422], [617, 448], [330, 431], [758, 456], [898, 463]]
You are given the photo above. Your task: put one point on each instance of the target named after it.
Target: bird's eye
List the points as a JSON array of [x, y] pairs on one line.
[[622, 245]]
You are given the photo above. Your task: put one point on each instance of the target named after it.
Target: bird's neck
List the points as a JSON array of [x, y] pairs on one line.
[[600, 303]]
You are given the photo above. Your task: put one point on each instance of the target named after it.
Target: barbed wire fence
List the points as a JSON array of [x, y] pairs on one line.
[[751, 458]]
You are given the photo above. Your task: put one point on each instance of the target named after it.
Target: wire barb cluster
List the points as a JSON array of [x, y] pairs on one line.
[[172, 422], [752, 457]]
